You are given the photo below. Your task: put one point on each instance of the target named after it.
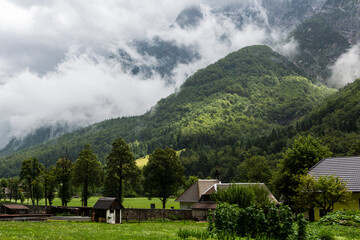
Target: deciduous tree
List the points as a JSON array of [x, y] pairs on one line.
[[31, 171], [3, 185], [63, 178], [322, 192], [87, 172], [255, 169], [304, 153], [120, 167], [163, 174], [49, 184]]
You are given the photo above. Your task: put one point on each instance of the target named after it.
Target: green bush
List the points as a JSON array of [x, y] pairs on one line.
[[302, 225], [252, 222], [244, 195], [342, 217]]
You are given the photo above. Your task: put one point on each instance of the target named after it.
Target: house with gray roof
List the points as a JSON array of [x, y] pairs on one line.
[[193, 194], [347, 169]]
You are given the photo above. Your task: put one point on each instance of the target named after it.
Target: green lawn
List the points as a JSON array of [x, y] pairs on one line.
[[144, 230], [72, 230], [140, 202]]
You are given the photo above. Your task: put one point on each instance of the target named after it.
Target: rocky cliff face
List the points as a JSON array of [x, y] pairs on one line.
[[290, 13], [344, 16]]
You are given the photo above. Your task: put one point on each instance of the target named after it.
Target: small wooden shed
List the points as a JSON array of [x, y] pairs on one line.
[[107, 210], [14, 209]]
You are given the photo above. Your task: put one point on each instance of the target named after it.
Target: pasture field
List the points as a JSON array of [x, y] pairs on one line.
[[76, 230], [142, 231], [140, 202]]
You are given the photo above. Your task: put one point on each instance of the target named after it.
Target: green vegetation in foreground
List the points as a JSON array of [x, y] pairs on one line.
[[144, 230], [73, 230], [140, 202]]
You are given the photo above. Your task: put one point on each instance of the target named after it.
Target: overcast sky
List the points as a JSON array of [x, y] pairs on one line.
[[55, 65]]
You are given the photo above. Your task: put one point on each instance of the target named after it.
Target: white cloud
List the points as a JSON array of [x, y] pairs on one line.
[[346, 69], [54, 65]]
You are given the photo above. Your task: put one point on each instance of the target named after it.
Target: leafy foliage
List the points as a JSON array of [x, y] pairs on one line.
[[120, 168], [243, 195], [31, 172], [304, 153], [163, 174], [277, 223], [323, 192], [341, 217], [63, 177], [87, 172]]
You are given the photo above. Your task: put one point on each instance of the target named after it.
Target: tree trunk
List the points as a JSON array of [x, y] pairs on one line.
[[120, 188], [163, 200], [85, 196]]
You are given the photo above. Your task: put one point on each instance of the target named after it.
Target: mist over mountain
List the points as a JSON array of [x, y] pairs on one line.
[[128, 56]]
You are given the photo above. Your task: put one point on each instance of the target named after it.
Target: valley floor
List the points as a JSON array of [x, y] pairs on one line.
[[144, 230]]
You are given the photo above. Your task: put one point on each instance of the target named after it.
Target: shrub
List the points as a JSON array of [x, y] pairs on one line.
[[302, 225], [252, 221], [241, 195], [341, 217]]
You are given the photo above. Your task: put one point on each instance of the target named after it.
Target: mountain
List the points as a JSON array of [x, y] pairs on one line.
[[240, 97], [327, 35], [335, 121], [323, 29]]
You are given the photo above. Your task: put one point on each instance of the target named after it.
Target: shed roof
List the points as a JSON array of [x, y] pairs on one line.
[[194, 192], [106, 203], [346, 168], [16, 206]]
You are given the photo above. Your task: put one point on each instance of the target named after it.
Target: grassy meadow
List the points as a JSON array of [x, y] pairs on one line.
[[89, 230], [140, 202], [144, 230]]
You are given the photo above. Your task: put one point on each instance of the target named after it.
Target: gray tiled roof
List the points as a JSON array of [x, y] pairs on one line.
[[346, 168], [194, 192]]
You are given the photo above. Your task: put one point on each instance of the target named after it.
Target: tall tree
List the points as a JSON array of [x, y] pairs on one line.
[[323, 192], [87, 172], [13, 186], [49, 185], [63, 177], [120, 167], [3, 185], [163, 174], [255, 169], [304, 153], [31, 171]]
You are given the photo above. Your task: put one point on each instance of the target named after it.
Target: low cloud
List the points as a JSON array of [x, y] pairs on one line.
[[55, 66], [346, 69]]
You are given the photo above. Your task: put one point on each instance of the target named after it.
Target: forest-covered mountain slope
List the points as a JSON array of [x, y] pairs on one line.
[[240, 97], [336, 122]]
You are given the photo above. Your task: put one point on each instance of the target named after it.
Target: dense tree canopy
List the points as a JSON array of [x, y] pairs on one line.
[[63, 177], [87, 172], [120, 167], [322, 192], [304, 153], [31, 171], [163, 174]]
